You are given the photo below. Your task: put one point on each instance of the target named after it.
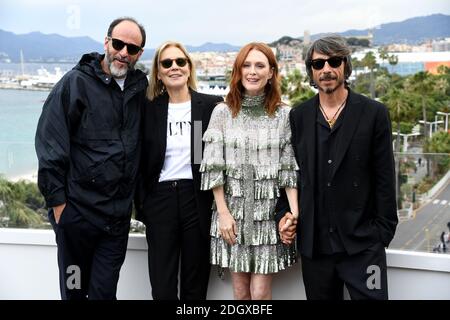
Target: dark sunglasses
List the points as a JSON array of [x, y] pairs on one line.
[[167, 63], [333, 62], [119, 44]]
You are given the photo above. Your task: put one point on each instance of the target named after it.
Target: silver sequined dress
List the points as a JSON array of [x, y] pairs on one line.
[[252, 157]]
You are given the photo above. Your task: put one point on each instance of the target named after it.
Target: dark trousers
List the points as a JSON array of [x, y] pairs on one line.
[[89, 258], [364, 274], [175, 243]]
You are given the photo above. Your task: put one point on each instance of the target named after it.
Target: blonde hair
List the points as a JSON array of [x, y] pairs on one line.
[[156, 87]]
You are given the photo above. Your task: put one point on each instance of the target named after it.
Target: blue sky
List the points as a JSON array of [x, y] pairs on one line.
[[195, 22]]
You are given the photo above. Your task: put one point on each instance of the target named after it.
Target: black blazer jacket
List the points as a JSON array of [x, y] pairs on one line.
[[154, 150], [363, 177]]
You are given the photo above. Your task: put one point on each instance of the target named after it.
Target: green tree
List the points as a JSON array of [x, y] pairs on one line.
[[399, 106], [383, 53], [295, 88], [382, 84], [393, 60], [443, 84], [362, 84], [370, 62], [420, 86], [439, 143], [21, 205], [400, 109], [426, 97], [228, 75], [356, 64]]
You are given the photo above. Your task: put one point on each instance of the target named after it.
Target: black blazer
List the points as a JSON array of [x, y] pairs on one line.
[[363, 178], [154, 151]]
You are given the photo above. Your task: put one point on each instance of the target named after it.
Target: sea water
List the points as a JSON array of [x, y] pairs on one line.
[[19, 115]]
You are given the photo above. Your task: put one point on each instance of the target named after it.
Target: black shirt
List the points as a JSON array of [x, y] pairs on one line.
[[326, 235]]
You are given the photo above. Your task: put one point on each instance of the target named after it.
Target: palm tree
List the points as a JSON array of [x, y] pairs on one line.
[[295, 88], [393, 60], [15, 209], [382, 84], [421, 85], [5, 195], [21, 216], [356, 65], [383, 53], [440, 144], [400, 107], [443, 84], [370, 62], [228, 75]]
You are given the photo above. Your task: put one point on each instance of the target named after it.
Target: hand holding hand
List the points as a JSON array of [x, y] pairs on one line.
[[287, 228]]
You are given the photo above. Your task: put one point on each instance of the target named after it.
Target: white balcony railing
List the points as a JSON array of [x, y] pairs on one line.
[[28, 270]]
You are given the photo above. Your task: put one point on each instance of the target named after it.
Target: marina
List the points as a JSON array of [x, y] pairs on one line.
[[42, 80], [36, 76]]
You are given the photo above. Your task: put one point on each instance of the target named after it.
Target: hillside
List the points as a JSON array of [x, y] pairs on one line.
[[37, 46]]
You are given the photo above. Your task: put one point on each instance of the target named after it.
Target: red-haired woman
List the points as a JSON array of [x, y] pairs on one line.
[[247, 158]]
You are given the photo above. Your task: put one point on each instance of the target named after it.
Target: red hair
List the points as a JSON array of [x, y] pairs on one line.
[[272, 89]]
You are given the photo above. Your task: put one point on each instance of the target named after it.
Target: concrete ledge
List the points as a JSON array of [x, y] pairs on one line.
[[29, 270], [418, 260]]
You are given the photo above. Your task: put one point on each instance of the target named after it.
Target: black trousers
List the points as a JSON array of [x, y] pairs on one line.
[[364, 274], [89, 258], [175, 243]]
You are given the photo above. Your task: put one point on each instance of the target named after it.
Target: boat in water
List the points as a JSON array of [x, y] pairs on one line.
[[43, 80]]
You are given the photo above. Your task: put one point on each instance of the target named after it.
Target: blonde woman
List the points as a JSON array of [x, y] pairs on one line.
[[176, 213]]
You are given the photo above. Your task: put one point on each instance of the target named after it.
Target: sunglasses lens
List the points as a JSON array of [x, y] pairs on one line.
[[318, 63], [118, 44], [167, 63], [133, 49], [181, 62], [335, 62]]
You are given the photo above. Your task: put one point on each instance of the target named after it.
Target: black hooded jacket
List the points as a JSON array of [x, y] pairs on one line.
[[88, 142]]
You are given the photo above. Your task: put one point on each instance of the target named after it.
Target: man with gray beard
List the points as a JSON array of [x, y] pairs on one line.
[[343, 146], [87, 143]]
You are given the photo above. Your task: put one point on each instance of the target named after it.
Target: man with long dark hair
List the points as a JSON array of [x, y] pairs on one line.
[[347, 216]]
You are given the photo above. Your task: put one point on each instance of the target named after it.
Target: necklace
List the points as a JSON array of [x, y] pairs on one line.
[[331, 121]]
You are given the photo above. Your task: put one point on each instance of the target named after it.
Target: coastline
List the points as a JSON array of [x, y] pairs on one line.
[[10, 86]]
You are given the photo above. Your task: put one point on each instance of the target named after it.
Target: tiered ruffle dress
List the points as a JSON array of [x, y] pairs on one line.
[[252, 157]]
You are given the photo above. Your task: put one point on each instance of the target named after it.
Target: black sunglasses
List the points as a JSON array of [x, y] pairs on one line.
[[333, 62], [167, 63], [119, 44]]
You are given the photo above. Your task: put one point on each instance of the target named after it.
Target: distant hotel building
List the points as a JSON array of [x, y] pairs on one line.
[[411, 62], [441, 45]]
